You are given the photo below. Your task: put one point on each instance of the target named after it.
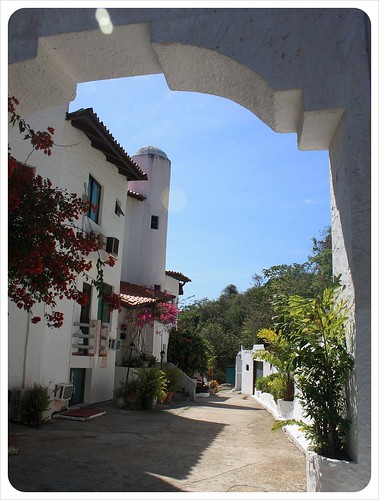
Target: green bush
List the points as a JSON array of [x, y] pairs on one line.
[[269, 383], [151, 385], [261, 384], [33, 404], [276, 388]]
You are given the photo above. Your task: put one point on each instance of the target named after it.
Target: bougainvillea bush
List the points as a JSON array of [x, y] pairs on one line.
[[164, 312], [47, 250]]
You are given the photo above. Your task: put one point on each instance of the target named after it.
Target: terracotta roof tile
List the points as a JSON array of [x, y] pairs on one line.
[[137, 196], [137, 296], [178, 276], [88, 122]]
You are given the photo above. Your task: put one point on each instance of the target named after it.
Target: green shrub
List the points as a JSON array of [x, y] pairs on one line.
[[151, 385], [276, 388], [33, 404], [261, 384], [264, 383], [279, 352]]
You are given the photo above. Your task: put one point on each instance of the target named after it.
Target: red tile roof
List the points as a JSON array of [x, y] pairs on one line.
[[137, 196], [88, 122], [177, 276], [137, 296]]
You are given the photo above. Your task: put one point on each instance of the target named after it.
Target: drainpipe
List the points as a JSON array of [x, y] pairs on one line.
[[25, 352]]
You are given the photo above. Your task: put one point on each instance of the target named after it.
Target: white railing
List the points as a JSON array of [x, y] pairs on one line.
[[89, 345]]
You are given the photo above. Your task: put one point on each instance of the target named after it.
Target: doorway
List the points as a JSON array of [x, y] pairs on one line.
[[257, 372], [77, 378]]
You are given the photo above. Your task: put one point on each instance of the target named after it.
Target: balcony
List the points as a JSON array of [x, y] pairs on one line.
[[89, 345]]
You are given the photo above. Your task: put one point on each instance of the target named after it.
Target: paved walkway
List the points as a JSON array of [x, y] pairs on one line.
[[223, 443]]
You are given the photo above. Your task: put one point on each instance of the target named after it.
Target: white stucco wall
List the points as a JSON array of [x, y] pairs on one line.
[[171, 285], [145, 248], [247, 372], [238, 373], [300, 70], [48, 349], [245, 366], [102, 382]]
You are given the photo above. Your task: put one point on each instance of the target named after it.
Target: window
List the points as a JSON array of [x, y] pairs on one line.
[[117, 209], [103, 312], [154, 222], [94, 195], [112, 246], [157, 288], [247, 368]]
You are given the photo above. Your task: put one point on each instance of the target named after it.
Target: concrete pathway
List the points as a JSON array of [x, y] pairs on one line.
[[223, 443]]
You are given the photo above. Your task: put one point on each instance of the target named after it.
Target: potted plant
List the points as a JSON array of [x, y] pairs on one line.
[[202, 390], [151, 386], [321, 367], [213, 387]]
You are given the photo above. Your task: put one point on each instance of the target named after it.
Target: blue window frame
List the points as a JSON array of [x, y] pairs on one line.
[[94, 196]]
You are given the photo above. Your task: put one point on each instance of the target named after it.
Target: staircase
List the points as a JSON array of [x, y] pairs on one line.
[[187, 384]]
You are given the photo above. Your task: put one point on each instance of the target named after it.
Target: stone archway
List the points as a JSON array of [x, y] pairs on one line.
[[299, 70]]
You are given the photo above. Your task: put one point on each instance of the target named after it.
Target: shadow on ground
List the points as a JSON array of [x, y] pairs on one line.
[[220, 402], [120, 451]]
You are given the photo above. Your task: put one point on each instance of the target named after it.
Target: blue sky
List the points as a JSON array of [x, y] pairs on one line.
[[243, 198]]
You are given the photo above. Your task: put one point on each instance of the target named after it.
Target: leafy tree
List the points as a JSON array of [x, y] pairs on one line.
[[189, 352], [307, 279], [320, 262], [235, 318], [229, 291], [259, 312], [225, 345], [288, 280]]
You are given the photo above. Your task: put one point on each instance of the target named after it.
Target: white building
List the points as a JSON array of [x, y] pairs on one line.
[[248, 370], [91, 164], [144, 281]]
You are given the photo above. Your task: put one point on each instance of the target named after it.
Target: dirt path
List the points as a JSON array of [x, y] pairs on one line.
[[223, 443]]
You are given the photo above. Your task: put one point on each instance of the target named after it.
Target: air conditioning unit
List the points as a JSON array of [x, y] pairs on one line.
[[15, 403], [115, 344], [63, 392], [112, 245]]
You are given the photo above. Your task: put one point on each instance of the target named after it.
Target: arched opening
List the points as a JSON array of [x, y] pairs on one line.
[[299, 70], [242, 198]]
